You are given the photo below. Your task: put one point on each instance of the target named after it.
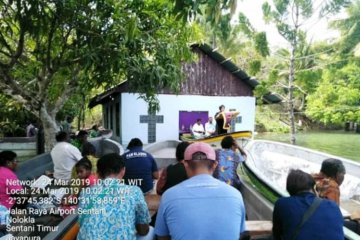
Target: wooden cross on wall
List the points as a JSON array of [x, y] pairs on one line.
[[151, 120]]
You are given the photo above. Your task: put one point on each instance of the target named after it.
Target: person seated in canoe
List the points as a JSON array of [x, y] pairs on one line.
[[141, 168], [229, 158], [94, 132], [64, 156], [10, 187], [328, 183], [198, 129], [210, 127], [84, 178], [111, 209], [173, 174], [200, 207], [303, 215], [329, 179]]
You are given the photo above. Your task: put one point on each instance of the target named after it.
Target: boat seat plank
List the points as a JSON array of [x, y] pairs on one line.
[[259, 228]]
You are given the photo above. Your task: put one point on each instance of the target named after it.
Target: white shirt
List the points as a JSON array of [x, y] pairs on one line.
[[209, 128], [64, 156], [196, 128]]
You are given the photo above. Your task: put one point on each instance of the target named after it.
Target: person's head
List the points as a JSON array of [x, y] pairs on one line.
[[299, 181], [69, 119], [8, 159], [111, 165], [199, 158], [210, 119], [198, 121], [88, 149], [62, 136], [227, 142], [82, 136], [95, 127], [221, 108], [333, 168], [83, 168], [180, 150], [135, 142]]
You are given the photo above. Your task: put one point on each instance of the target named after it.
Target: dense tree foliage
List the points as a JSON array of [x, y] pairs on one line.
[[50, 50]]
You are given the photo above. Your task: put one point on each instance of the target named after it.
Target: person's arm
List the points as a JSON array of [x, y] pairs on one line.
[[142, 229], [277, 225], [142, 215], [154, 169], [155, 175]]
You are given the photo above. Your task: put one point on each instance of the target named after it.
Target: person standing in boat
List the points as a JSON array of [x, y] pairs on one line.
[[329, 179], [220, 120], [201, 207], [324, 221], [229, 158], [141, 168]]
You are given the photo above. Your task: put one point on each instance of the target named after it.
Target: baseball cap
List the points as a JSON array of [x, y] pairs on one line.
[[198, 151]]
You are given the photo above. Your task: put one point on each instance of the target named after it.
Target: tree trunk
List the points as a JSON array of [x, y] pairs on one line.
[[291, 97], [292, 78], [50, 128]]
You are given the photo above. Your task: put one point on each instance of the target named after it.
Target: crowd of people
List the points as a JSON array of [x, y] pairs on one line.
[[200, 197]]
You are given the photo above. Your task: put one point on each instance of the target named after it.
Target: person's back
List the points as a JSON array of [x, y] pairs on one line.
[[112, 210], [324, 223], [229, 158], [202, 208], [141, 167], [64, 156]]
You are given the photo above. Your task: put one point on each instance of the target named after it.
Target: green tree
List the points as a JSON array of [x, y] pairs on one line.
[[51, 50], [288, 16]]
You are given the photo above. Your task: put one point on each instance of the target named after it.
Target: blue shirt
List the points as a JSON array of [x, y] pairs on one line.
[[140, 166], [228, 162], [111, 210], [326, 223], [201, 207]]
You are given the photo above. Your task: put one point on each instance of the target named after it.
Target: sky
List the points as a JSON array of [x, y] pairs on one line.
[[317, 28]]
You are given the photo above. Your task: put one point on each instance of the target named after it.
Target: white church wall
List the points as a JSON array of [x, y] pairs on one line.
[[170, 105]]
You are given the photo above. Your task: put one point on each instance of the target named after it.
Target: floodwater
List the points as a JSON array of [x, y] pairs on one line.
[[338, 143]]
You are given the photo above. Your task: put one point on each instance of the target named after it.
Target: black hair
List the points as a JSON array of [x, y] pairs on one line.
[[180, 150], [85, 163], [199, 119], [69, 119], [95, 127], [194, 164], [88, 149], [82, 133], [108, 164], [6, 156], [331, 167], [135, 142], [221, 106], [61, 136], [298, 181], [227, 142]]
